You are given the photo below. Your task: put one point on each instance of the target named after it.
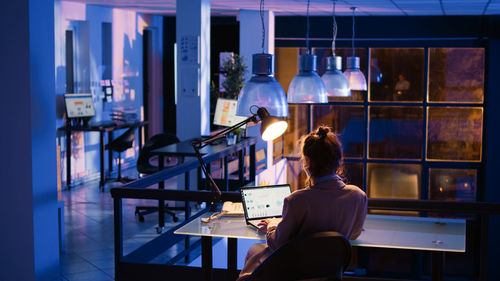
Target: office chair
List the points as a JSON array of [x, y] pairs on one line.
[[146, 165], [120, 144], [318, 255]]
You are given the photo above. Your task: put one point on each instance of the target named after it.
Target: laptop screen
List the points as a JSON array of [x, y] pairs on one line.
[[264, 201]]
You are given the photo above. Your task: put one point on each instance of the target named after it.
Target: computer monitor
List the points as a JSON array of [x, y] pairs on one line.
[[79, 105], [225, 113]]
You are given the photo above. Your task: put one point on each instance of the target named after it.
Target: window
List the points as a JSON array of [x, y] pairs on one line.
[[417, 133]]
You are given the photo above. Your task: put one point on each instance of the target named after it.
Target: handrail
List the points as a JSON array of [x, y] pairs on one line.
[[188, 165], [172, 195], [373, 203], [434, 206]]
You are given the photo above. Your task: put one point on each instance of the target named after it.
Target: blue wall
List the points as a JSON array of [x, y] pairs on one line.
[[29, 238]]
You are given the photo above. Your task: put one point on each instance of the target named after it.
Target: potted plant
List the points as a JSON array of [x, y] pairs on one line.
[[233, 71]]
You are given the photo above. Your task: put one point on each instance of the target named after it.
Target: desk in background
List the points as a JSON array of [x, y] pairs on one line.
[[412, 233], [209, 153], [101, 128]]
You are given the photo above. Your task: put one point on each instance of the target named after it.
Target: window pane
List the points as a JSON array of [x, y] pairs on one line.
[[353, 174], [397, 74], [278, 148], [286, 62], [348, 121], [400, 181], [296, 177], [454, 133], [453, 184], [297, 127], [456, 75], [396, 132]]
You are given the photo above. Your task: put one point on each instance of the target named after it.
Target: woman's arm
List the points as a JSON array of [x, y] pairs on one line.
[[278, 235], [362, 209]]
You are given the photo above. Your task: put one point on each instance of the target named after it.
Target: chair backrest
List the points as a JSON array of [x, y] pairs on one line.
[[124, 141], [160, 140], [317, 255]]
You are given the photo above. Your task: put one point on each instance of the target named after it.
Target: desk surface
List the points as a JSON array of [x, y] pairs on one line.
[[412, 233], [104, 126], [185, 148]]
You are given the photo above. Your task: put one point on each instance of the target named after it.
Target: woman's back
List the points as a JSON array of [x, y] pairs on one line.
[[331, 206]]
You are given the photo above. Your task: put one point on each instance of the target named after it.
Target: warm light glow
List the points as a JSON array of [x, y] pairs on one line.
[[441, 189], [356, 79], [274, 130]]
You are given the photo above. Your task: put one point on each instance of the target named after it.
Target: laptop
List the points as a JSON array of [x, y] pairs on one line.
[[263, 202]]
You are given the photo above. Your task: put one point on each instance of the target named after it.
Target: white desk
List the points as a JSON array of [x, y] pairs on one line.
[[412, 233]]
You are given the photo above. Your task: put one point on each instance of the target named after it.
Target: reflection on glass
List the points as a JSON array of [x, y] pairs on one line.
[[456, 75], [278, 148], [348, 122], [397, 74], [395, 132], [454, 133], [453, 184], [399, 181], [296, 177], [353, 174], [297, 127]]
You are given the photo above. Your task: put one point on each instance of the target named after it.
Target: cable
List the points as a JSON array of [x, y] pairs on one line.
[[334, 29], [307, 27], [262, 21], [353, 29]]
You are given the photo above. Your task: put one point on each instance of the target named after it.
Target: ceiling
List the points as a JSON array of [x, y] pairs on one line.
[[322, 7]]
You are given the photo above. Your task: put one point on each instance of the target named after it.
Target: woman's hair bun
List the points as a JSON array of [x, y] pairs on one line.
[[322, 132]]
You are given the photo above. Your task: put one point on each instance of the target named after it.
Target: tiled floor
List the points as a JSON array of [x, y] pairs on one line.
[[88, 233]]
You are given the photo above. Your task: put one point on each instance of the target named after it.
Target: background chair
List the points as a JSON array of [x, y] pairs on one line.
[[318, 255], [147, 163], [120, 144]]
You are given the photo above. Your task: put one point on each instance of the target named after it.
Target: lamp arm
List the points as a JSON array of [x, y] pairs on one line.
[[202, 143], [217, 194]]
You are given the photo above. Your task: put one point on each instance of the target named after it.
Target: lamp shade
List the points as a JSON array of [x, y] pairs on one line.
[[307, 86], [335, 82], [354, 75], [262, 90], [271, 127]]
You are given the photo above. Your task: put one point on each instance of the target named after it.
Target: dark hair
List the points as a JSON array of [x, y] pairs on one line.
[[321, 152]]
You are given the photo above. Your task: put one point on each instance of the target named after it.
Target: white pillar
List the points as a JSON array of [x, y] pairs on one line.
[[251, 43], [193, 68]]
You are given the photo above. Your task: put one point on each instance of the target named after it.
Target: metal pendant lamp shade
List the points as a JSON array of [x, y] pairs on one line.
[[354, 76], [307, 86], [262, 90], [336, 83]]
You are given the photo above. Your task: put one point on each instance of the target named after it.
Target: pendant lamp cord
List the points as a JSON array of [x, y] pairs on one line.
[[307, 27], [262, 21], [334, 30], [353, 29]]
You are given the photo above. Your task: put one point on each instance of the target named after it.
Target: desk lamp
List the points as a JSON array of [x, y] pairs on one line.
[[271, 128]]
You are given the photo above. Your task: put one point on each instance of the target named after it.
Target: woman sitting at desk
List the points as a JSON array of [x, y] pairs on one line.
[[327, 204]]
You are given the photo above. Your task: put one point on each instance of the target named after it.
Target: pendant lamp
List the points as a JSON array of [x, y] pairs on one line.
[[307, 86], [353, 74], [262, 90], [335, 82]]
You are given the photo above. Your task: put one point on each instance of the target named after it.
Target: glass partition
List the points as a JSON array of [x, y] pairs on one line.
[[395, 132], [454, 133], [397, 74], [348, 122], [456, 75], [452, 184]]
